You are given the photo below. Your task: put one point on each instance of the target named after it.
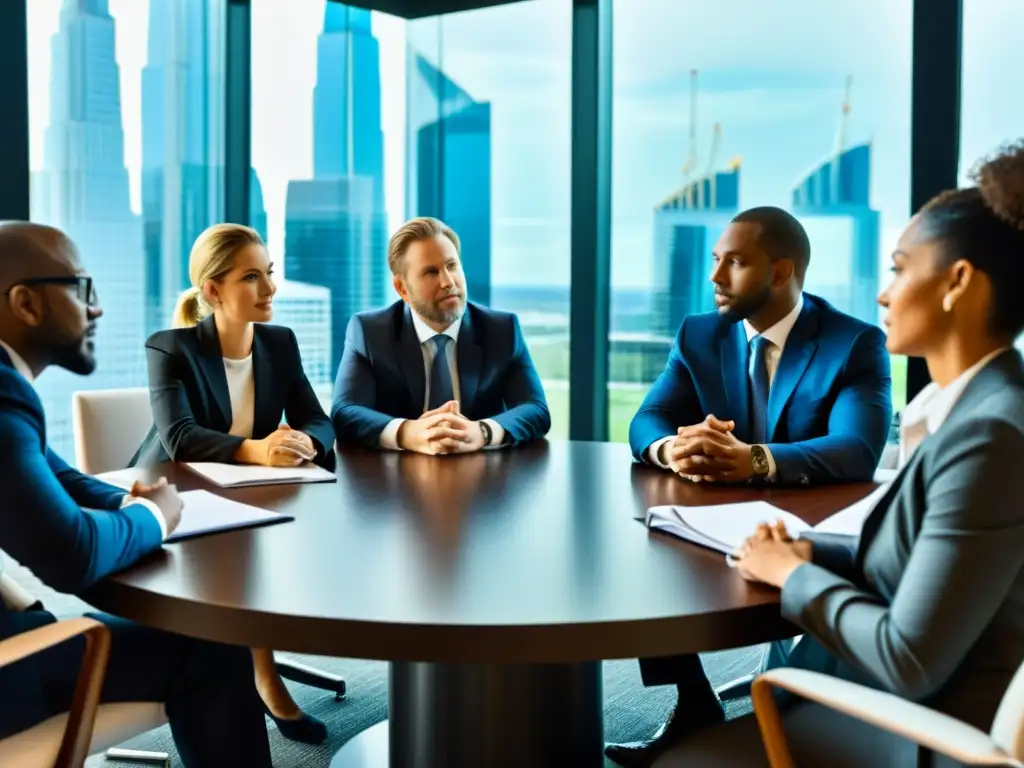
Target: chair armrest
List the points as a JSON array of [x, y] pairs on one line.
[[74, 747], [932, 730]]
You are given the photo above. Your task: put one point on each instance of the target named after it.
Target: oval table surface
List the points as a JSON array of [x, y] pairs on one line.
[[530, 555]]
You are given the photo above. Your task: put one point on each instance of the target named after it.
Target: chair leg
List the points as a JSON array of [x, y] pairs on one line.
[[300, 673], [735, 689], [161, 759]]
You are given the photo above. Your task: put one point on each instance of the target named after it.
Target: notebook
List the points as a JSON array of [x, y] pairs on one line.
[[204, 512], [241, 475], [722, 527]]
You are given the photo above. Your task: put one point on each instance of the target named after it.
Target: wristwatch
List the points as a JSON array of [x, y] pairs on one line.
[[485, 429], [759, 461]]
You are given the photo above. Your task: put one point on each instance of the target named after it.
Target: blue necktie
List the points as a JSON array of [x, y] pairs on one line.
[[758, 390], [440, 375]]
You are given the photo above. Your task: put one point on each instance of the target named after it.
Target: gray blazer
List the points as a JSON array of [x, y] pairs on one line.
[[928, 603]]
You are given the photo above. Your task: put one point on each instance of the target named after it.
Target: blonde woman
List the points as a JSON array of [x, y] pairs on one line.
[[219, 383]]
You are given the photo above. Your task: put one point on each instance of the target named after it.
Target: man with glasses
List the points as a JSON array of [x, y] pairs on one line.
[[72, 530]]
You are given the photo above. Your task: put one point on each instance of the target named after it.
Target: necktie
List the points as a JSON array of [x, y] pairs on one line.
[[440, 376], [758, 390]]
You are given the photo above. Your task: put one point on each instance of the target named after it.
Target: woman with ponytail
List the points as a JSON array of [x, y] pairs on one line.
[[219, 383]]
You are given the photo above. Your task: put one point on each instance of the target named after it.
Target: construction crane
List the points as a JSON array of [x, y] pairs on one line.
[[716, 139], [691, 160], [844, 117]]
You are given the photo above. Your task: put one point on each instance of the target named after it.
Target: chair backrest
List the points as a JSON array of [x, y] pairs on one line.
[[1008, 725], [109, 426]]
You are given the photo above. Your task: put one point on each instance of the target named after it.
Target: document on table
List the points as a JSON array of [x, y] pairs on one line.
[[204, 512], [722, 527], [241, 475], [122, 478]]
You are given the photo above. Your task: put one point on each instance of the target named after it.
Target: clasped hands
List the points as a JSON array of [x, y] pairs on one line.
[[709, 451], [442, 430], [770, 555]]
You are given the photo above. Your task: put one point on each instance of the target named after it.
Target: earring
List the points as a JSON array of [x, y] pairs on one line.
[[947, 304]]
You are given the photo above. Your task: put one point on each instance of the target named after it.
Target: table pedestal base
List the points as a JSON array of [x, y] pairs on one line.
[[472, 715]]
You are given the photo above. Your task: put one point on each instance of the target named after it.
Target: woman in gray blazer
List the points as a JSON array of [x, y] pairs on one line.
[[928, 602]]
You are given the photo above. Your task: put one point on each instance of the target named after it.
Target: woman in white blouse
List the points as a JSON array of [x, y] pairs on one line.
[[220, 382]]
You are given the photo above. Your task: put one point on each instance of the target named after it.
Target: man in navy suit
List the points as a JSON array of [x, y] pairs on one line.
[[434, 373], [777, 386], [72, 530]]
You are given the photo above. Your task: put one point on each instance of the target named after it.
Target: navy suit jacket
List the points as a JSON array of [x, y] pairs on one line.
[[381, 376], [830, 403], [188, 391], [69, 528]]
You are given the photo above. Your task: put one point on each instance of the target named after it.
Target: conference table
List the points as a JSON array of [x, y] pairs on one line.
[[494, 583]]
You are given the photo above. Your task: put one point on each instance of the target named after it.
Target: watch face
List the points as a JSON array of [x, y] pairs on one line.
[[759, 460]]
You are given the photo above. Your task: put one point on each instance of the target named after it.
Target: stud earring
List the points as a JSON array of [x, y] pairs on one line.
[[947, 304]]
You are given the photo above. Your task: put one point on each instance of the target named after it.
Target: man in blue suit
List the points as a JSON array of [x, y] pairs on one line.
[[434, 373], [777, 386], [72, 530]]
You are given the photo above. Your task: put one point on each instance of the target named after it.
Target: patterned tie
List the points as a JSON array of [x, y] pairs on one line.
[[759, 390], [440, 376]]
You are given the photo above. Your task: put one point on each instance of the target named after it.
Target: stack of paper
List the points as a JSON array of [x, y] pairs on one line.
[[240, 475]]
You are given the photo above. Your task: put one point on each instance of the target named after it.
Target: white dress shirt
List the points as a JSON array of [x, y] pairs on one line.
[[22, 367], [776, 337], [926, 413], [242, 391], [389, 435]]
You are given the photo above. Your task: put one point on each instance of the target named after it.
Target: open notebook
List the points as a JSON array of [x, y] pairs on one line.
[[241, 475], [724, 527]]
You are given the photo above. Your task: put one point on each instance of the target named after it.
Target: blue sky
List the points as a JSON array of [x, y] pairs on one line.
[[771, 73]]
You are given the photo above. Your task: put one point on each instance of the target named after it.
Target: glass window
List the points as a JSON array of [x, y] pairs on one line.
[[992, 60], [129, 184], [807, 109], [463, 116]]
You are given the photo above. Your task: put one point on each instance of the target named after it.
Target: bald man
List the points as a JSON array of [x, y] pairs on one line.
[[72, 530]]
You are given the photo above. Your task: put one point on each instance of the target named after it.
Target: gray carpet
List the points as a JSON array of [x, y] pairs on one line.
[[630, 710]]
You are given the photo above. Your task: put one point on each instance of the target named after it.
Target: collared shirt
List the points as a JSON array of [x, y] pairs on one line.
[[426, 334], [929, 410], [777, 336], [22, 367]]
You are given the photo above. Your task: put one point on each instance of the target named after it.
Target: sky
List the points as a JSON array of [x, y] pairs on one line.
[[772, 74]]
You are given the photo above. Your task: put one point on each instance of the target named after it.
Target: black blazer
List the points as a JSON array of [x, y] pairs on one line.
[[188, 391]]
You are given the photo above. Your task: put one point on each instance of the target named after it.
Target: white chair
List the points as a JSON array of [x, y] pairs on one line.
[[109, 426], [933, 731], [64, 741]]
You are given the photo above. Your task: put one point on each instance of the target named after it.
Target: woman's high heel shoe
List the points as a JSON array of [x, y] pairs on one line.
[[304, 728]]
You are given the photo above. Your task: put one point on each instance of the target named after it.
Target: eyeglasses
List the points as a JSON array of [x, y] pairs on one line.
[[84, 289]]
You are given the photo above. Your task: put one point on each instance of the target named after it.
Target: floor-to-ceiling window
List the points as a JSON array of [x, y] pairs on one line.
[[718, 107], [126, 116], [362, 120], [992, 111]]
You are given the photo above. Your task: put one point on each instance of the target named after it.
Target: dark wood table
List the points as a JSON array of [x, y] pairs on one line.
[[494, 583]]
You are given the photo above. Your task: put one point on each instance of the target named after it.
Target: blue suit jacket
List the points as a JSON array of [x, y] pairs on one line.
[[830, 403], [69, 528], [381, 376]]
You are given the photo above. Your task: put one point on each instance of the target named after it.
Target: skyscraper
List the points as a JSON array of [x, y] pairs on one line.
[[182, 142], [832, 202], [335, 223], [83, 190], [448, 165], [686, 226]]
